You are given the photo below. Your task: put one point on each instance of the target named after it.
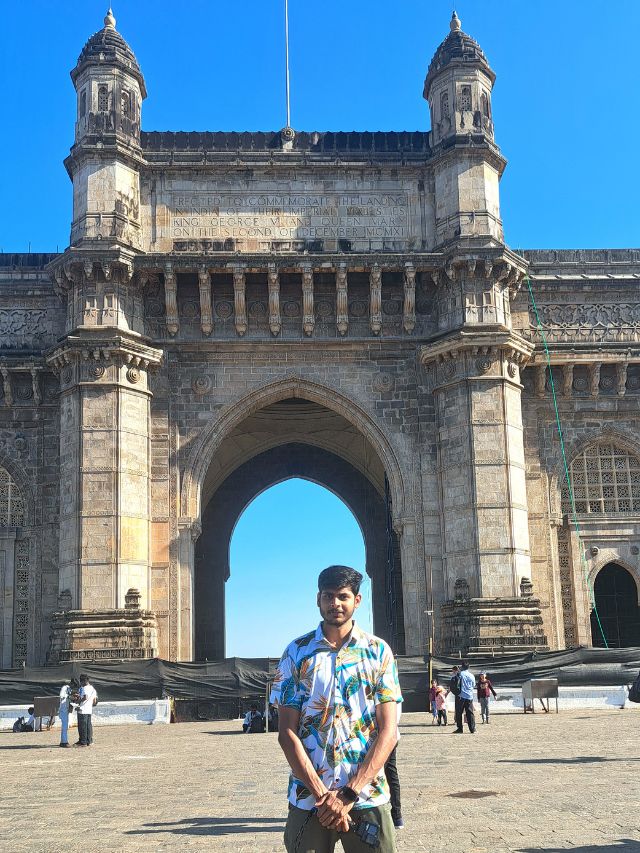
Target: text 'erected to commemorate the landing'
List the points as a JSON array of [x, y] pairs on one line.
[[270, 216]]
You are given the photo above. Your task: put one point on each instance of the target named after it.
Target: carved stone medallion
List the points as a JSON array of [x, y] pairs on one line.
[[224, 310], [201, 384], [133, 375], [383, 383]]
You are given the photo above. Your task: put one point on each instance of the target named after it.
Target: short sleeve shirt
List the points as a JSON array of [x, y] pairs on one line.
[[336, 692]]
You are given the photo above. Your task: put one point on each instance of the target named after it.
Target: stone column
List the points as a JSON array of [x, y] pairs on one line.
[[188, 531], [474, 373], [105, 468]]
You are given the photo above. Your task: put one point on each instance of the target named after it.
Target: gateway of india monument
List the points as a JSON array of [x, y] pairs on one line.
[[234, 309]]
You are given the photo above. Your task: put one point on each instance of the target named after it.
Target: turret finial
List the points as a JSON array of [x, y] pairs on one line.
[[109, 20], [455, 23]]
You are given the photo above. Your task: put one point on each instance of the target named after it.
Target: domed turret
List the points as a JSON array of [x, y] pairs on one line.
[[109, 84], [458, 87], [105, 159]]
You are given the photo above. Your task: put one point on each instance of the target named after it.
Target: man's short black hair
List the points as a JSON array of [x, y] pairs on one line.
[[337, 577], [465, 665]]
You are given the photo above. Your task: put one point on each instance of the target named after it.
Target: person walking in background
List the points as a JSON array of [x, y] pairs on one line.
[[66, 691], [465, 703], [391, 772], [88, 698], [433, 692], [485, 688]]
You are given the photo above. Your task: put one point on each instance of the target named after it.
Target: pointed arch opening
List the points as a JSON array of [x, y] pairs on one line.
[[616, 594], [294, 438]]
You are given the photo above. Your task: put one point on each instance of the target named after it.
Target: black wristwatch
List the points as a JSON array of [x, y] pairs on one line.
[[349, 794]]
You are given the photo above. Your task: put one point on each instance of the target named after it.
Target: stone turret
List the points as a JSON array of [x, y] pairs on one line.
[[467, 163], [105, 157]]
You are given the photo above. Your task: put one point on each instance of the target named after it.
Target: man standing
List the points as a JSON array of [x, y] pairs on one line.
[[485, 688], [337, 689], [66, 692], [465, 703], [88, 698]]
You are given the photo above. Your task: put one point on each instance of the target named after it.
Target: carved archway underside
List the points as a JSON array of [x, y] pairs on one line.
[[203, 452]]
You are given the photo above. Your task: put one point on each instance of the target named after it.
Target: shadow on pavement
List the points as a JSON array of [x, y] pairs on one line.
[[212, 826], [30, 746], [625, 845], [578, 759]]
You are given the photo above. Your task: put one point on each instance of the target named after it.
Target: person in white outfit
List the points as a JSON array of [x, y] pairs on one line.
[[64, 710], [88, 698]]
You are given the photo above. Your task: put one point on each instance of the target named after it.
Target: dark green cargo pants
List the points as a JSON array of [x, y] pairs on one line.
[[305, 834]]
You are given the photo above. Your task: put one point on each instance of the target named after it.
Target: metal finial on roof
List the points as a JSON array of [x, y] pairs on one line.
[[455, 23], [109, 20]]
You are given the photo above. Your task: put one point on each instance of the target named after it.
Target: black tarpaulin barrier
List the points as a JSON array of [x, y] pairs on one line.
[[248, 678]]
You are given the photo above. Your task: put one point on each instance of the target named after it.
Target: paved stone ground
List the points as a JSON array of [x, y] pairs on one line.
[[534, 783]]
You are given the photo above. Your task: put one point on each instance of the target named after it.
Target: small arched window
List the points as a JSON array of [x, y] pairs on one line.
[[11, 501], [83, 104], [484, 101], [605, 479], [125, 104], [444, 105], [465, 98], [103, 99]]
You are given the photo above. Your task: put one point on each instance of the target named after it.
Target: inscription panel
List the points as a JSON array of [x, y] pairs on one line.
[[289, 216], [328, 212]]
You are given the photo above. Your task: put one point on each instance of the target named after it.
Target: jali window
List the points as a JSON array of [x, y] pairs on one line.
[[605, 479], [465, 98], [11, 501]]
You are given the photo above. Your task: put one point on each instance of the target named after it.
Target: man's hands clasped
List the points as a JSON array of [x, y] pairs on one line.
[[333, 811]]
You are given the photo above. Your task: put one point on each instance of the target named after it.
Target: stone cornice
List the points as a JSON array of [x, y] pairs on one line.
[[95, 344], [478, 341], [77, 262]]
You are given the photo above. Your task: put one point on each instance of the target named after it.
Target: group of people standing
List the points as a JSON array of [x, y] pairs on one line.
[[464, 688], [77, 695]]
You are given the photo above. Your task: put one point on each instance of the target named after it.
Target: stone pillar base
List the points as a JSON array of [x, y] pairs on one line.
[[485, 626], [92, 635]]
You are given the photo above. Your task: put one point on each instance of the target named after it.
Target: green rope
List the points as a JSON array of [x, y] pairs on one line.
[[572, 503]]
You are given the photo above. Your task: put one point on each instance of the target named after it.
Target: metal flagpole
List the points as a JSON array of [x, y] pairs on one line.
[[286, 53]]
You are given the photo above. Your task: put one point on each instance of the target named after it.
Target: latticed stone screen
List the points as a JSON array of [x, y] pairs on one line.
[[11, 502], [605, 479]]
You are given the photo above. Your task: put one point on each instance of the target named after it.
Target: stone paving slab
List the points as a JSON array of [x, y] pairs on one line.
[[522, 783]]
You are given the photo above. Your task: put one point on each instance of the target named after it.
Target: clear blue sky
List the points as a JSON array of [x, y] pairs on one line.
[[281, 542], [566, 117]]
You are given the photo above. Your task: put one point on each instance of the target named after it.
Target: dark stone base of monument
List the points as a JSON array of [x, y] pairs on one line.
[[476, 627], [127, 633]]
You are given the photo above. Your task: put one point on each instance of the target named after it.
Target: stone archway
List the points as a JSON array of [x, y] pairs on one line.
[[616, 597], [294, 438]]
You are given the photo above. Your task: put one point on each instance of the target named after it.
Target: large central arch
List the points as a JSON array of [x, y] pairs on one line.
[[294, 437]]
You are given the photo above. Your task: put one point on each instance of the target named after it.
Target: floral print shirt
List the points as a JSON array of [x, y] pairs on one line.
[[336, 692]]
